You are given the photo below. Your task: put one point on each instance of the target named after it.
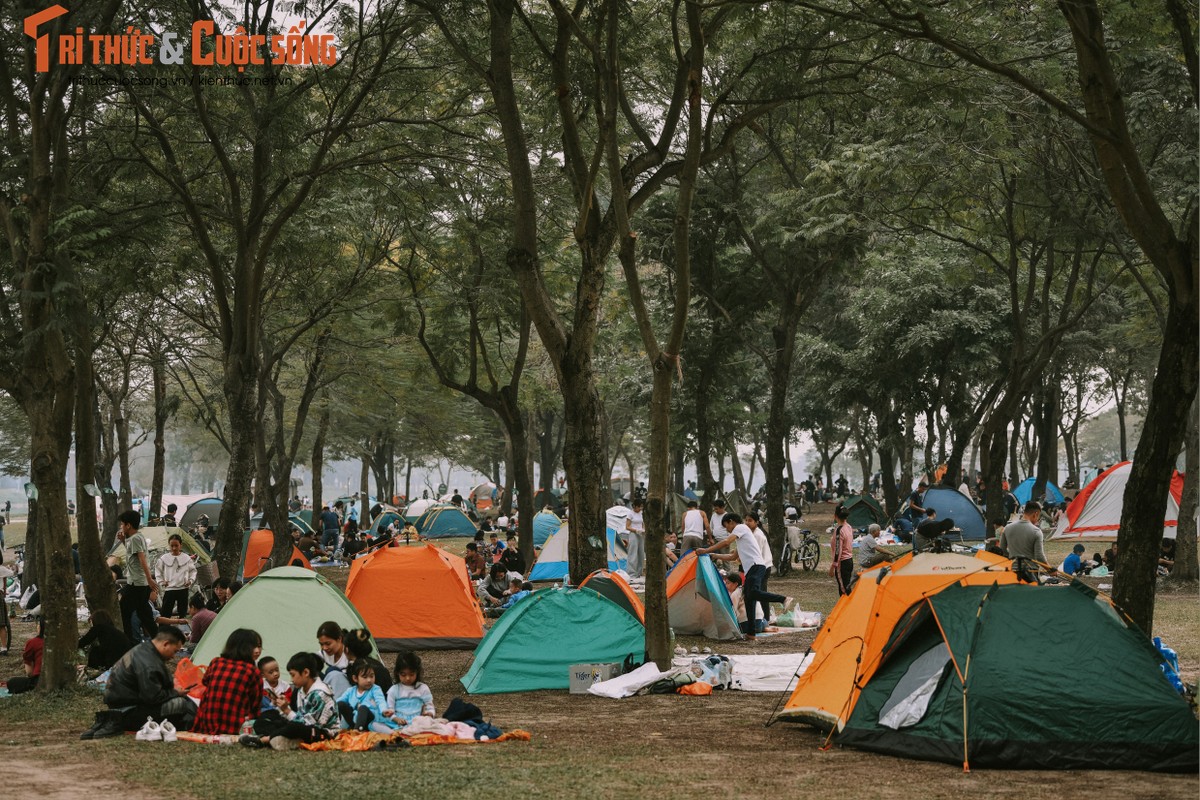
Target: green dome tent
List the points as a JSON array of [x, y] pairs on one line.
[[1001, 676], [535, 642], [864, 510], [285, 606]]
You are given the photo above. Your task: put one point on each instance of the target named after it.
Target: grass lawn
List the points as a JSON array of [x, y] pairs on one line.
[[583, 746]]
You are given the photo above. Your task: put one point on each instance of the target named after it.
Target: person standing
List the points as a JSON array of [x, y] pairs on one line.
[[915, 511], [635, 565], [695, 527], [330, 523], [1022, 540], [175, 572], [168, 519], [714, 522], [841, 542], [140, 583], [753, 564]]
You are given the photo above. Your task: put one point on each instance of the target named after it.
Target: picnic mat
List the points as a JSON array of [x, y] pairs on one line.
[[359, 741]]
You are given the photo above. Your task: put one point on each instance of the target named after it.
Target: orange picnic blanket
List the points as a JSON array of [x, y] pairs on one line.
[[359, 741]]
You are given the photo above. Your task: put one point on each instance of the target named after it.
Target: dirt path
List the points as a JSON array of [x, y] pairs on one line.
[[63, 772]]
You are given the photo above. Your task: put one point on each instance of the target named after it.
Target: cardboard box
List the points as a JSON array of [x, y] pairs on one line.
[[584, 675]]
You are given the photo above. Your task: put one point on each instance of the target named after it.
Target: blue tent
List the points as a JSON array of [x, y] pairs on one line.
[[698, 602], [1024, 492], [441, 521], [954, 504], [552, 564], [545, 525]]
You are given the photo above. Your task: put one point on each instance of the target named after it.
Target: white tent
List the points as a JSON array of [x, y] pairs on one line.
[[1095, 513], [553, 565]]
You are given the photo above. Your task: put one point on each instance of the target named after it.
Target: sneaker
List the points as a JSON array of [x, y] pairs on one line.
[[249, 740], [283, 743], [150, 732], [168, 731]]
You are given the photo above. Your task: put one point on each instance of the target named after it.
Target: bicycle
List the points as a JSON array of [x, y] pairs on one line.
[[801, 549]]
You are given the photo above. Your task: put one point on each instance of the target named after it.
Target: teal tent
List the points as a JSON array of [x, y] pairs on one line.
[[285, 606], [443, 520], [1001, 676], [533, 645]]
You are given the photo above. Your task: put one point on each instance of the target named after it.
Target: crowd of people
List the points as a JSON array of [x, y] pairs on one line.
[[339, 685]]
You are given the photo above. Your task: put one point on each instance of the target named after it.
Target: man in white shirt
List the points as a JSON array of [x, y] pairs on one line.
[[754, 565], [695, 527], [714, 522], [635, 524]]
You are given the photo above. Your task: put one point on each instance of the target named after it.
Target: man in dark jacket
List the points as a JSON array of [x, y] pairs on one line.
[[140, 686]]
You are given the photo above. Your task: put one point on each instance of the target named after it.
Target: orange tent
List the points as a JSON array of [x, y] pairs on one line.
[[258, 553], [416, 598], [615, 588], [847, 651]]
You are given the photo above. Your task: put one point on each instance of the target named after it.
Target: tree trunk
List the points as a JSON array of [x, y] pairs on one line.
[[126, 498], [318, 466], [158, 372], [1047, 426], [1171, 398], [98, 585], [1186, 568], [50, 422], [586, 466], [735, 466], [241, 404]]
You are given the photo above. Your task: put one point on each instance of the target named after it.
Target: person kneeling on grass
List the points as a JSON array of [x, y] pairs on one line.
[[363, 706], [518, 591], [733, 583], [310, 716], [140, 686]]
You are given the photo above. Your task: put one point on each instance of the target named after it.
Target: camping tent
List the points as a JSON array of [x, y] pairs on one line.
[[285, 606], [484, 495], [534, 643], [697, 600], [380, 524], [208, 505], [553, 498], [995, 676], [1095, 513], [846, 652], [545, 525], [256, 553], [416, 598], [616, 588], [865, 510], [552, 564], [256, 523], [416, 508], [950, 503], [444, 520], [1024, 492]]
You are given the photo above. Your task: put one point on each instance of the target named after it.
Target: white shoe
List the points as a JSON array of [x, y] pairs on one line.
[[168, 731], [150, 732]]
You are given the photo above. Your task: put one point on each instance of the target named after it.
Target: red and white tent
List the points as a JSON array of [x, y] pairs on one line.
[[1095, 513]]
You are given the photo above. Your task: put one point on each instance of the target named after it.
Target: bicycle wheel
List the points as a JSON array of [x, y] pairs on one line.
[[810, 555], [785, 561]]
